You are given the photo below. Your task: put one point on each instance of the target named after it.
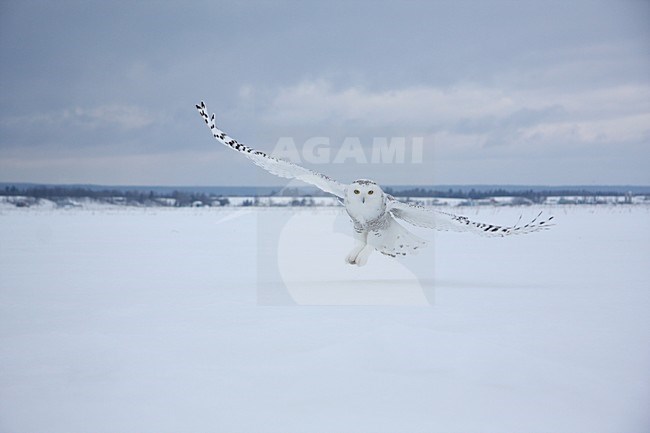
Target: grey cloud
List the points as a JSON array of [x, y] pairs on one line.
[[158, 59]]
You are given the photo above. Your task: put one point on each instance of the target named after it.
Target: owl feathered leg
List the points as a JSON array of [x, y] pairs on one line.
[[361, 241], [351, 258], [362, 257]]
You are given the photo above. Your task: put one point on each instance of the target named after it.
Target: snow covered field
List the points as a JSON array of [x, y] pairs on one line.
[[248, 320]]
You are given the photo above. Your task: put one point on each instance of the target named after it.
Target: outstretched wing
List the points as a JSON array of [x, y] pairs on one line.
[[276, 166], [435, 219]]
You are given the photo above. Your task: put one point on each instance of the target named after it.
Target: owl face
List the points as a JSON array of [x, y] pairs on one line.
[[365, 193]]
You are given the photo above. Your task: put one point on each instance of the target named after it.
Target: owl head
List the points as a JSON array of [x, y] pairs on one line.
[[365, 192]]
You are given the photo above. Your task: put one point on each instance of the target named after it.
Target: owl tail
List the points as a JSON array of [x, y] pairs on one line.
[[395, 240]]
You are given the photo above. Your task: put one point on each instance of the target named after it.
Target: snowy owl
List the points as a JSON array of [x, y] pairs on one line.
[[373, 213]]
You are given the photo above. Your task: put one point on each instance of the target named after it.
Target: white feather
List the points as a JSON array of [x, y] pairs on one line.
[[434, 219], [273, 165]]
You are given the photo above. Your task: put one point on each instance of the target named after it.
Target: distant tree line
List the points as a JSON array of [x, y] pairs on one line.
[[188, 198], [536, 196], [59, 193]]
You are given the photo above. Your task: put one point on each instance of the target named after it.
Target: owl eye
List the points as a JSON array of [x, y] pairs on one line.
[[371, 192], [356, 191]]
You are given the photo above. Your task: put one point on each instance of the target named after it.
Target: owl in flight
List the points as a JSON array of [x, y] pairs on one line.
[[374, 213]]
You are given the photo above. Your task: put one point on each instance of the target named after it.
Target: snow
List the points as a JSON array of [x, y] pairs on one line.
[[248, 320]]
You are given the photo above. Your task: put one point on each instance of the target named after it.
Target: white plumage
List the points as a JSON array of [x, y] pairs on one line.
[[374, 213]]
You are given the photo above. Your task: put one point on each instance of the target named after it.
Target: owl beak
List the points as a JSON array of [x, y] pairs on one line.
[[363, 200]]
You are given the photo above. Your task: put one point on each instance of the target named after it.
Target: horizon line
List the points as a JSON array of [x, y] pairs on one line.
[[536, 185]]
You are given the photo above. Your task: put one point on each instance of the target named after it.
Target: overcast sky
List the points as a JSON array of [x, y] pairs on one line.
[[501, 92]]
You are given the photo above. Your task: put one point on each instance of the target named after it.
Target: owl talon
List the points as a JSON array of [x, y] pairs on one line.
[[351, 258], [364, 254]]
